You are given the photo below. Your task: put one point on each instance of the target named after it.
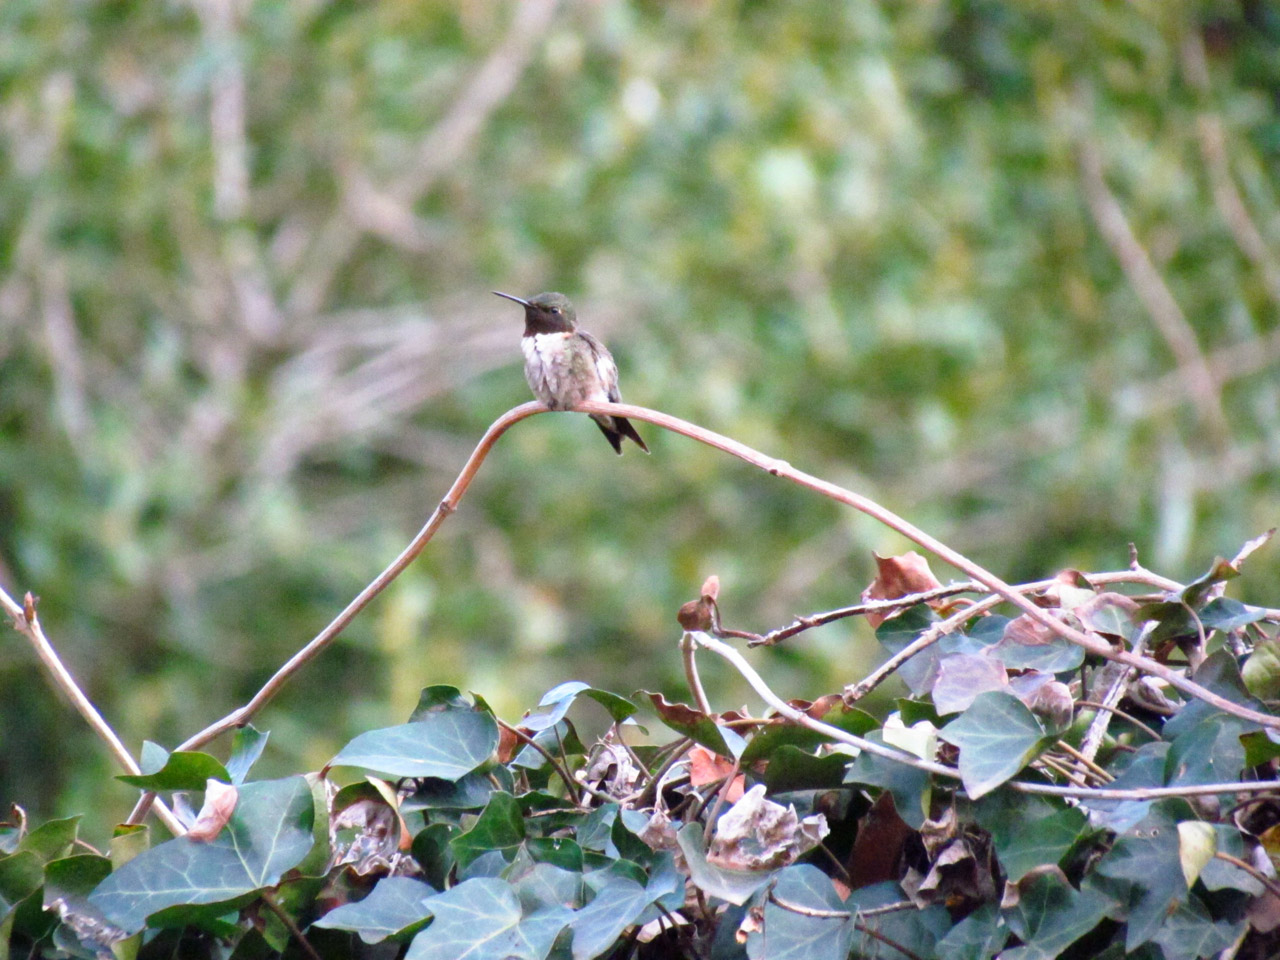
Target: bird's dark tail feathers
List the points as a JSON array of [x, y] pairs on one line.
[[615, 428]]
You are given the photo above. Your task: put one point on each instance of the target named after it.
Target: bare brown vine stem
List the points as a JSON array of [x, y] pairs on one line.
[[27, 623], [771, 465], [809, 621]]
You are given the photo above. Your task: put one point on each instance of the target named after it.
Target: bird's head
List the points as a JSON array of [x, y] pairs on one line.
[[546, 313]]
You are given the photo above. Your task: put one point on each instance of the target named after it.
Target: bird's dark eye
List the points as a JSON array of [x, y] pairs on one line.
[[556, 311]]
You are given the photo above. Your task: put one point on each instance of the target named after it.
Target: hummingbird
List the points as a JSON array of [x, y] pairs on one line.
[[566, 365]]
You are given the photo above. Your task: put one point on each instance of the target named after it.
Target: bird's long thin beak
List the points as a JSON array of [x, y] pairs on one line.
[[499, 293]]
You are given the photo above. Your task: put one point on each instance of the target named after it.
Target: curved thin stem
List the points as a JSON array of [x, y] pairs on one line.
[[771, 465]]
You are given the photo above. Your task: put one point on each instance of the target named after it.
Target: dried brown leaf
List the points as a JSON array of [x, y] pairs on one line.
[[896, 577], [758, 834], [219, 803]]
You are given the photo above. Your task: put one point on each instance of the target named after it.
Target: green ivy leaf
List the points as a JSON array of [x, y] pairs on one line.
[[1261, 672], [20, 876], [793, 769], [394, 907], [763, 744], [447, 743], [896, 633], [912, 788], [440, 697], [246, 747], [269, 832], [1144, 870], [978, 936], [180, 770], [481, 919], [1189, 932], [736, 886], [1050, 916], [1225, 614], [1209, 752], [557, 701], [997, 736], [916, 930], [468, 792], [543, 884], [53, 839], [793, 935], [1028, 831], [616, 906], [499, 828]]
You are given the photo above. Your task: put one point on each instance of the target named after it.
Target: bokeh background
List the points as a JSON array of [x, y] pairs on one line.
[[1011, 269]]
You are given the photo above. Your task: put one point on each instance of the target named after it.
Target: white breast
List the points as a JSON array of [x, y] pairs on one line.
[[542, 356]]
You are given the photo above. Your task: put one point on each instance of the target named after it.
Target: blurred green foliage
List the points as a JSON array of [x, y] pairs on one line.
[[246, 338]]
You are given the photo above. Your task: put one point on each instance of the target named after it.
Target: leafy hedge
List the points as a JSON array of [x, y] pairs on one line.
[[997, 811]]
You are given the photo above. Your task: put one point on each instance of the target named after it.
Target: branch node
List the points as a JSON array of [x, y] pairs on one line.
[[29, 607]]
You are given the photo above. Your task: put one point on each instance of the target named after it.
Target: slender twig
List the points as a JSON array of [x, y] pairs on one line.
[[1061, 768], [815, 912], [896, 907], [27, 623], [1123, 715], [290, 925], [326, 636], [688, 653], [1047, 789], [1079, 757], [1250, 869], [570, 784], [800, 624]]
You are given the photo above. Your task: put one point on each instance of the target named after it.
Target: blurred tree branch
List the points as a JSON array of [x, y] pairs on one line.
[[1151, 289], [439, 151]]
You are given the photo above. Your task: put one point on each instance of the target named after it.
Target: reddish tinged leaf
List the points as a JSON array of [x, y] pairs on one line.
[[877, 851], [219, 803], [1027, 632], [816, 709], [898, 576], [508, 743], [707, 767]]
